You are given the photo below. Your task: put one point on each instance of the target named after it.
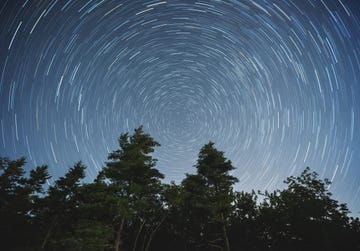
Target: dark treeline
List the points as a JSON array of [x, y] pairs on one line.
[[127, 207]]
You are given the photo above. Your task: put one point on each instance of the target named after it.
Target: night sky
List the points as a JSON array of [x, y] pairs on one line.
[[275, 84]]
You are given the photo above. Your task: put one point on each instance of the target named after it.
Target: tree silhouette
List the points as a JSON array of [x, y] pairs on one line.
[[208, 196], [92, 229], [245, 232], [303, 216], [60, 211], [19, 196], [132, 175], [128, 208]]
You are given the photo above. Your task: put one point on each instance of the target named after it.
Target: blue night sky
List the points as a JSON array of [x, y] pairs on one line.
[[274, 83]]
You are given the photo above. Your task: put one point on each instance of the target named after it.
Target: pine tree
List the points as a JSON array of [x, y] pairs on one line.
[[208, 196], [132, 174], [19, 196], [60, 209]]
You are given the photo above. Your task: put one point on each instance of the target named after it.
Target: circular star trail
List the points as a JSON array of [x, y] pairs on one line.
[[275, 84]]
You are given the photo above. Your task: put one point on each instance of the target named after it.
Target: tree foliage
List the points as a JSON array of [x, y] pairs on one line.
[[207, 199], [131, 174], [127, 207], [303, 214], [19, 198]]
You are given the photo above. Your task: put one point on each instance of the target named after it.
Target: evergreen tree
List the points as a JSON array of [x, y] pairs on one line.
[[92, 230], [60, 209], [127, 208], [245, 233], [208, 196], [19, 196], [196, 213], [133, 177], [173, 234]]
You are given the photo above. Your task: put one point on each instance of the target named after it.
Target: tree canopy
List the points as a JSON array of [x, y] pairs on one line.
[[128, 207]]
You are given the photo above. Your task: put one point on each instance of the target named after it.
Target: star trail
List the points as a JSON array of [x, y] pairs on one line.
[[275, 84]]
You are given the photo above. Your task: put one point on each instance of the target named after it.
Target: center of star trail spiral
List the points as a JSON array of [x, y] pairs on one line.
[[275, 84]]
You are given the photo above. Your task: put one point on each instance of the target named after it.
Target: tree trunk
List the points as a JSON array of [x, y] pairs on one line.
[[47, 236], [153, 233], [225, 237], [138, 234], [118, 240]]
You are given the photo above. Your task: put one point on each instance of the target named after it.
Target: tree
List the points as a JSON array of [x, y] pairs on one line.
[[128, 208], [60, 210], [92, 229], [208, 196], [133, 177], [245, 233], [173, 234], [19, 196], [195, 212], [304, 216]]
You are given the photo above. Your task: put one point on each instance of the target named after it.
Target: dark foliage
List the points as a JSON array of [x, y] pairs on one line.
[[128, 208]]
